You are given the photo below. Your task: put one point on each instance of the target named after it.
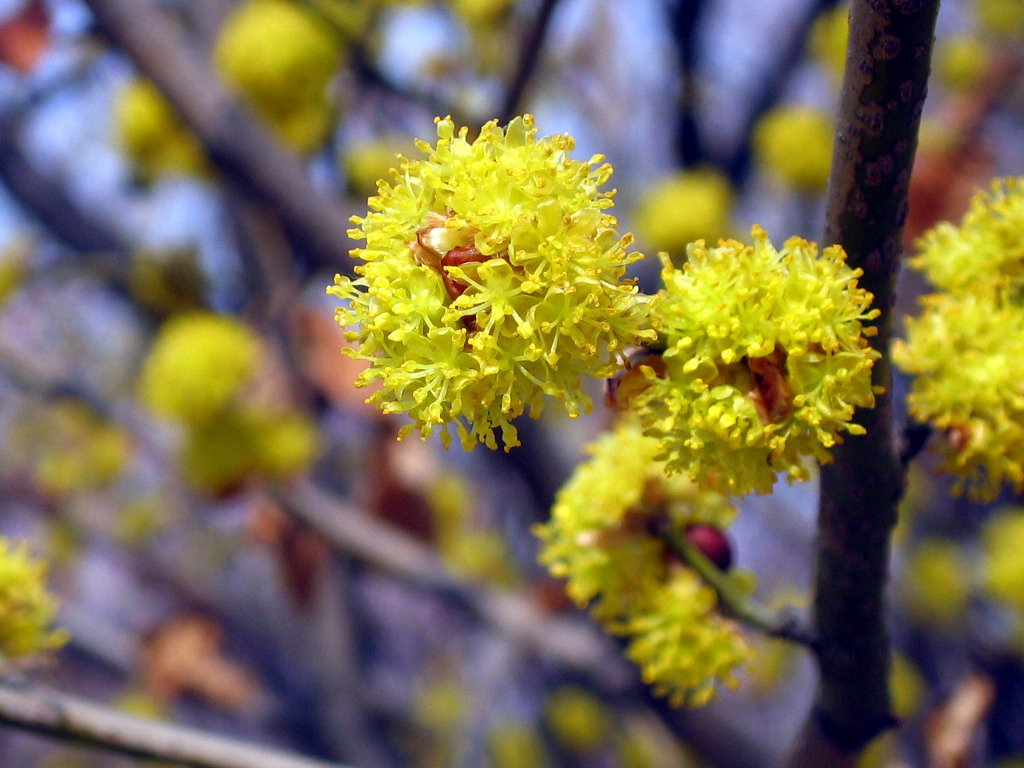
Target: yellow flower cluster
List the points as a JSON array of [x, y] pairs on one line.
[[966, 347], [1003, 574], [197, 372], [1000, 19], [829, 37], [155, 141], [601, 540], [26, 609], [280, 58], [197, 366], [935, 584], [795, 144], [985, 251], [687, 206], [77, 449], [492, 276], [248, 441], [480, 12], [766, 359]]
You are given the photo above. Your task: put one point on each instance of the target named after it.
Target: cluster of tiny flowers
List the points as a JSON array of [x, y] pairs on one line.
[[986, 250], [492, 276], [280, 58], [26, 609], [602, 538], [198, 364], [965, 350], [152, 136], [198, 372], [765, 360]]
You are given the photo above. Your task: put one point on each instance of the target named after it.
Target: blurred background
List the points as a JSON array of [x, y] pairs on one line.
[[238, 543]]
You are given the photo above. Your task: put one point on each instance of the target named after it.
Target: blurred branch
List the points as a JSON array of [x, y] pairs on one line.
[[574, 645], [685, 16], [571, 643], [46, 200], [773, 85], [913, 440], [235, 141], [65, 717], [952, 730], [884, 88], [529, 57]]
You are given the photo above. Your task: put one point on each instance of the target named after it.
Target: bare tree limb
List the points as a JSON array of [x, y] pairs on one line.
[[772, 85], [48, 712], [884, 88], [235, 141], [46, 200], [574, 645], [571, 643], [526, 65]]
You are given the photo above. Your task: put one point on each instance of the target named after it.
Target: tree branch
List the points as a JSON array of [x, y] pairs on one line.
[[235, 141], [529, 58], [772, 86], [59, 715], [574, 645], [47, 201], [883, 95], [735, 601], [571, 643]]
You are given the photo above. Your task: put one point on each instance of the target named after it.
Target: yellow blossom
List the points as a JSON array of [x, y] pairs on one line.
[[687, 206], [491, 276], [280, 58], [766, 359], [154, 139], [600, 539], [26, 609], [198, 364], [986, 249], [966, 354], [794, 143], [1002, 540], [829, 37]]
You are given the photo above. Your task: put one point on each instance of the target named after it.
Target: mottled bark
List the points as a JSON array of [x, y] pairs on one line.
[[883, 95]]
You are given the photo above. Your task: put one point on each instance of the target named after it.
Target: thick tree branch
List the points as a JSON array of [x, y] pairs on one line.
[[883, 95], [55, 714], [235, 141]]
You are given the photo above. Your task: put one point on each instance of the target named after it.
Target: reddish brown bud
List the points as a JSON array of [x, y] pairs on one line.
[[630, 381], [772, 394], [712, 543]]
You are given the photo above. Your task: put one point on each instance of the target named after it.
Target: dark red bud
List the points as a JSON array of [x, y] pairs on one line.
[[712, 543]]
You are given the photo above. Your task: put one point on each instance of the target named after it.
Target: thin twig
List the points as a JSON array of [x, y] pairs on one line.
[[529, 58], [735, 600], [51, 713]]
